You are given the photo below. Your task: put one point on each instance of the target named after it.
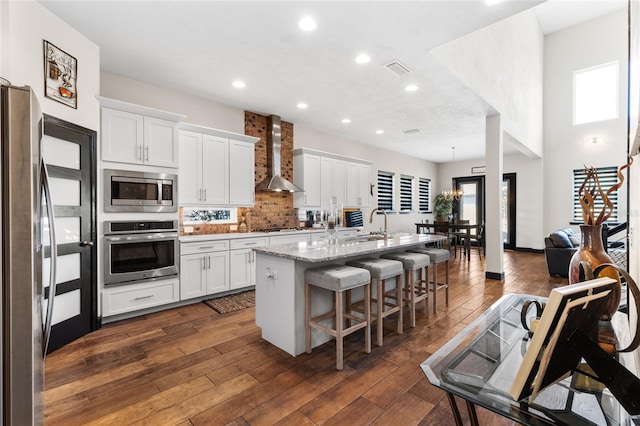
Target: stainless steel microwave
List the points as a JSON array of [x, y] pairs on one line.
[[129, 191]]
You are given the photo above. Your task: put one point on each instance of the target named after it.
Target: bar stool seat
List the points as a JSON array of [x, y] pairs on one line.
[[338, 279], [381, 270], [416, 290], [437, 256]]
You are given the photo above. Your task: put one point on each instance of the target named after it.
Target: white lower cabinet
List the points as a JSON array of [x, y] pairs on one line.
[[242, 261], [126, 298], [204, 268]]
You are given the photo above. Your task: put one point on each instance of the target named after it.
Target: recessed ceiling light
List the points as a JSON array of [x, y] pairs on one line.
[[379, 132], [492, 2], [363, 58], [307, 24], [239, 84], [346, 120], [411, 88], [302, 105]]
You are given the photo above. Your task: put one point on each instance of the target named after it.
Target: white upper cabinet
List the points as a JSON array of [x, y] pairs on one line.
[[306, 174], [333, 184], [357, 184], [326, 177], [138, 135], [241, 173], [216, 167]]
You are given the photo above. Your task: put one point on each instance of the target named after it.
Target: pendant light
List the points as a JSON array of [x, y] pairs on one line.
[[453, 194]]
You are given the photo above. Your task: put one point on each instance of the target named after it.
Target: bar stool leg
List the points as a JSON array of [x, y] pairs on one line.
[[379, 310], [367, 316], [435, 288], [307, 317], [446, 289], [409, 280], [399, 285], [339, 330]]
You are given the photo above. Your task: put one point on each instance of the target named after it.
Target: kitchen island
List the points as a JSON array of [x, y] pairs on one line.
[[280, 282]]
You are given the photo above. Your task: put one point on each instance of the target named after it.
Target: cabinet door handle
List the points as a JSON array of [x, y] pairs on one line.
[[204, 263], [200, 194], [146, 151], [205, 194], [209, 257], [140, 152]]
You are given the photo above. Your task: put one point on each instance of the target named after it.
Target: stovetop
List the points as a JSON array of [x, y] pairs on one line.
[[278, 229]]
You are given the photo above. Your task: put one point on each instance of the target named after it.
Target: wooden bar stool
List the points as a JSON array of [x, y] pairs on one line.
[[381, 270], [436, 256], [338, 279], [416, 290]]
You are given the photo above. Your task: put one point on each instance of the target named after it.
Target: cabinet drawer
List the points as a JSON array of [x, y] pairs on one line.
[[121, 299], [204, 246], [244, 243], [288, 239]]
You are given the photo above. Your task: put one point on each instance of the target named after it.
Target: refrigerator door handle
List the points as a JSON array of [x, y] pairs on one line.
[[53, 254]]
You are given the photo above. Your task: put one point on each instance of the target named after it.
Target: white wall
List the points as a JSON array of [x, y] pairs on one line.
[[498, 62], [529, 208], [592, 43], [198, 110], [389, 161], [23, 62]]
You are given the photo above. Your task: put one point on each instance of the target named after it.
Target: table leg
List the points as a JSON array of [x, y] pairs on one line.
[[473, 417], [454, 409]]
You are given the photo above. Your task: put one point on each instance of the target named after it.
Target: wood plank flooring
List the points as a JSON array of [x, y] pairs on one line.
[[192, 366]]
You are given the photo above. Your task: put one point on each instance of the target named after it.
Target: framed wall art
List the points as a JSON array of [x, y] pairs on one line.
[[60, 75]]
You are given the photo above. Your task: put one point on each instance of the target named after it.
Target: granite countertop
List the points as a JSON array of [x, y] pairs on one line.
[[348, 247], [234, 235]]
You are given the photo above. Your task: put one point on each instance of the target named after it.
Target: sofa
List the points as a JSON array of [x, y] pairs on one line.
[[559, 247]]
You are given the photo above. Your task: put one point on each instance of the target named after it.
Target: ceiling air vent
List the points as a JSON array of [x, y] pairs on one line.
[[397, 68], [411, 131]]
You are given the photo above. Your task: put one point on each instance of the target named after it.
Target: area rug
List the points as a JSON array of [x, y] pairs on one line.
[[234, 302]]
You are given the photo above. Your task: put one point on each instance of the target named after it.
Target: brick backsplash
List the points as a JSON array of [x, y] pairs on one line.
[[272, 209]]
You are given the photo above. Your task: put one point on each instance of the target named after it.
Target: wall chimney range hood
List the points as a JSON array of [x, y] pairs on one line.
[[274, 181]]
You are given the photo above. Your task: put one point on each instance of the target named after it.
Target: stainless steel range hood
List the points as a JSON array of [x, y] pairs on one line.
[[274, 181]]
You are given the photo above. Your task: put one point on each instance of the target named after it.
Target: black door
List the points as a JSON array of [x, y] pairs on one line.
[[69, 151]]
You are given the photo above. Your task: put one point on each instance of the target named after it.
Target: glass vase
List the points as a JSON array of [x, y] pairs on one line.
[[592, 251]]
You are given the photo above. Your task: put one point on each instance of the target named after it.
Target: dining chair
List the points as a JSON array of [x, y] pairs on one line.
[[478, 239], [442, 228], [461, 236]]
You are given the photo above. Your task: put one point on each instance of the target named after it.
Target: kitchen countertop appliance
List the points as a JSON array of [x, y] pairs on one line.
[[26, 217]]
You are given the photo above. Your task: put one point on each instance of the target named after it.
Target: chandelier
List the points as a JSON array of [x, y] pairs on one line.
[[454, 193]]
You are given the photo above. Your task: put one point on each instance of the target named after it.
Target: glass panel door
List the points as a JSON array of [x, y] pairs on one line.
[[468, 209]]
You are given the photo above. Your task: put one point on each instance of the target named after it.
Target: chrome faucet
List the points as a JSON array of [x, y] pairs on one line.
[[385, 219]]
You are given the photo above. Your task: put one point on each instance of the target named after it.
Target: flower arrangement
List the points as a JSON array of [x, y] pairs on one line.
[[589, 192]]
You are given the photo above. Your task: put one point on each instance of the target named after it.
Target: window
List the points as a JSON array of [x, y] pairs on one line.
[[406, 194], [608, 176], [424, 189], [595, 93], [385, 190]]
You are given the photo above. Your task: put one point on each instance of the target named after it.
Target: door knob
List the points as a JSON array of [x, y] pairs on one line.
[[87, 243]]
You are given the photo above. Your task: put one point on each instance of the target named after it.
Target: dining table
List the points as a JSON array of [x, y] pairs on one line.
[[453, 227]]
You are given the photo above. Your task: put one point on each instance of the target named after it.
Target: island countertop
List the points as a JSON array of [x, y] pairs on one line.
[[321, 251]]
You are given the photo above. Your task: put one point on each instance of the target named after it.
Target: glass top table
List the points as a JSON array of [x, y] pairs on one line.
[[480, 363]]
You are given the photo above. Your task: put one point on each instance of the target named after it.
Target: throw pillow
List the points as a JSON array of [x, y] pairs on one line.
[[575, 240], [561, 240]]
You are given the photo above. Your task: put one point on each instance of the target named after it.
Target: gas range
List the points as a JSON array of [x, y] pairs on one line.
[[278, 229]]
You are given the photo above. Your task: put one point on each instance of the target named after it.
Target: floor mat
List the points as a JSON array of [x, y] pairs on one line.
[[234, 302]]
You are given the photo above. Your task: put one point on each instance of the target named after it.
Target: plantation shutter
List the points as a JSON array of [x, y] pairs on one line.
[[424, 188], [385, 190], [608, 176], [406, 194]]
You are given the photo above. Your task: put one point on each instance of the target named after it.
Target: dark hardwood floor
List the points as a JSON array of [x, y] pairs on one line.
[[192, 366]]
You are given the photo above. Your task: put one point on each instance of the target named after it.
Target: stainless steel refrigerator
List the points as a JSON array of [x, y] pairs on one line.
[[26, 239]]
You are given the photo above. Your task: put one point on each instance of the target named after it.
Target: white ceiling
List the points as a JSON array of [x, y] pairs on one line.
[[200, 47]]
